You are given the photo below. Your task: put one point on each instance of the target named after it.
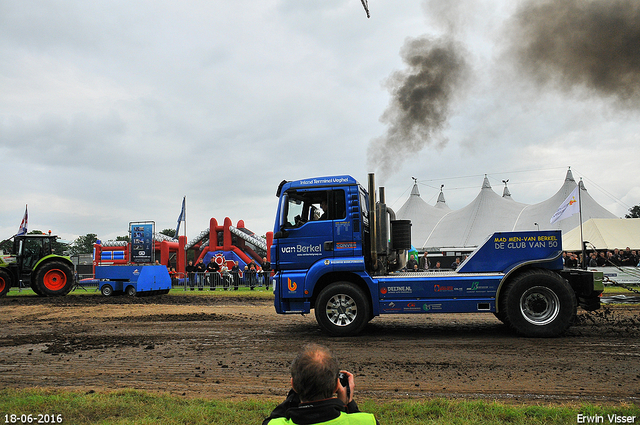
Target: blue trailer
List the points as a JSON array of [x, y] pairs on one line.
[[133, 280], [340, 252]]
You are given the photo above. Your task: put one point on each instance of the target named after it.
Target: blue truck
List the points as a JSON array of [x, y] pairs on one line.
[[340, 251]]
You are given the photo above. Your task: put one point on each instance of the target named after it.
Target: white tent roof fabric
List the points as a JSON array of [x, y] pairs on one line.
[[423, 216], [605, 233], [437, 227]]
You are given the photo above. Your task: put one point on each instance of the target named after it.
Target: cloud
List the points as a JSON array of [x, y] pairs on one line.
[[580, 45], [111, 111]]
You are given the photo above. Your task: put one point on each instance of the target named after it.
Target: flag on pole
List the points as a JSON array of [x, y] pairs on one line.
[[23, 226], [569, 207], [181, 217]]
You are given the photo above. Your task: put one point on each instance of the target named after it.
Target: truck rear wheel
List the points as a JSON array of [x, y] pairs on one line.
[[342, 309], [54, 278], [5, 282], [539, 303]]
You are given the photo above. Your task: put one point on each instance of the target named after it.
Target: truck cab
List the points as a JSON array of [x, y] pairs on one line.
[[318, 222]]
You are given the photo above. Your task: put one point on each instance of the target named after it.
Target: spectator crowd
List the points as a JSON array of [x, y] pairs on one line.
[[602, 258], [214, 275]]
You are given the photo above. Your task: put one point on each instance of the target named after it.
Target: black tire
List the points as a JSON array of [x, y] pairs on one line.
[[538, 303], [107, 290], [54, 278], [342, 309], [130, 291], [501, 316], [34, 287], [5, 282]]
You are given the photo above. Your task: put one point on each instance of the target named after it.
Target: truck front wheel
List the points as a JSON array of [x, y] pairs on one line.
[[5, 282], [54, 278], [342, 309], [539, 303]]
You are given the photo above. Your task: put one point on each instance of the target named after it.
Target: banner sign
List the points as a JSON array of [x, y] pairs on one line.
[[142, 242]]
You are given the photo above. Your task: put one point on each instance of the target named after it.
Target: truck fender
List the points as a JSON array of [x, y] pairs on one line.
[[351, 278], [319, 270]]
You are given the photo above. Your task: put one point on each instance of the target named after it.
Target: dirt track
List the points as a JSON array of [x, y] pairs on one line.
[[232, 348]]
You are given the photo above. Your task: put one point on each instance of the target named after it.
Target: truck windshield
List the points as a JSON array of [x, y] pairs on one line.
[[302, 207]]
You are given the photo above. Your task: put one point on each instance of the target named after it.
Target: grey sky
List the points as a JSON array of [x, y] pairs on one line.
[[112, 111]]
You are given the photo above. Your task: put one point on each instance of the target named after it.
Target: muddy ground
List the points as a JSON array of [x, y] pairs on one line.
[[212, 347]]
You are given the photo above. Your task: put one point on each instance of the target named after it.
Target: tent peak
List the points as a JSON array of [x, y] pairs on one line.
[[569, 176], [485, 183], [414, 190], [441, 199], [581, 184]]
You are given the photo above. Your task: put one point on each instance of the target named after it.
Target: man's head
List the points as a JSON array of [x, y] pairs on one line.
[[314, 373]]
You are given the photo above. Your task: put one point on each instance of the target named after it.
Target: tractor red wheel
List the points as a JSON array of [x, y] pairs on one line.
[[54, 278], [5, 283]]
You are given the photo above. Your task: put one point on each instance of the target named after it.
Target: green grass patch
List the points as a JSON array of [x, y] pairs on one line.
[[618, 290], [258, 292], [137, 407]]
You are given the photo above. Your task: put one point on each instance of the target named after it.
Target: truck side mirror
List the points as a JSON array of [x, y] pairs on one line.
[[281, 234]]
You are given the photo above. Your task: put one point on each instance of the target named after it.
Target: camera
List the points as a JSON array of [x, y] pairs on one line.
[[344, 381]]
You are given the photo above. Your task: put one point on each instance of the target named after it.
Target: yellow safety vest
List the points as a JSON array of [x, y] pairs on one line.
[[359, 418]]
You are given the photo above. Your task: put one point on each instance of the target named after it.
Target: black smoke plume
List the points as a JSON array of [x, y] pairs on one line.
[[580, 44], [421, 100]]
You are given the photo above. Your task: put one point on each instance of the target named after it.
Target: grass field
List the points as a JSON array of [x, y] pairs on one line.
[[136, 407]]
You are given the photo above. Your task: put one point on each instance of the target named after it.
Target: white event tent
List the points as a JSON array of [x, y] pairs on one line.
[[605, 233], [438, 227]]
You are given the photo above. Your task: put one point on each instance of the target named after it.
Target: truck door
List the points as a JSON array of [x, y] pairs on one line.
[[309, 218]]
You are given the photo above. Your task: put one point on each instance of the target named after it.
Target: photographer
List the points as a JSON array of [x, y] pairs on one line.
[[315, 378]]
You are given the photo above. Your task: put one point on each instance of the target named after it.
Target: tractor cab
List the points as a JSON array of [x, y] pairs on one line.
[[29, 249]]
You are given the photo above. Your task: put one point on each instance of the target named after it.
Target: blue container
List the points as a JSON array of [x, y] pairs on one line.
[[133, 280]]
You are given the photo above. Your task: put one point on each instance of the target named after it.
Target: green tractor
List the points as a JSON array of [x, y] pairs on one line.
[[33, 262]]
